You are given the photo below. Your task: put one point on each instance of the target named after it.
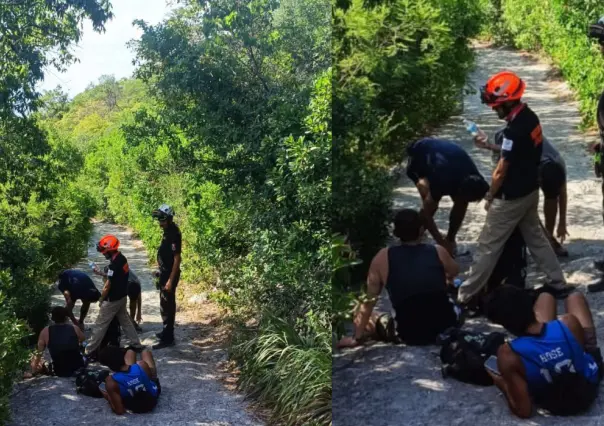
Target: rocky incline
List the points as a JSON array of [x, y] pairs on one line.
[[191, 392], [383, 384]]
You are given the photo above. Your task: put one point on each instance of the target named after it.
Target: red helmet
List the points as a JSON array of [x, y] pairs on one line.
[[108, 243], [502, 87]]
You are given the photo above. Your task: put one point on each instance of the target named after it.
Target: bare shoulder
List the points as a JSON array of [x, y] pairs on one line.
[[508, 361]]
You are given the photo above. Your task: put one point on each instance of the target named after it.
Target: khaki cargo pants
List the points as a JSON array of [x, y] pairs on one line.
[[502, 218], [107, 312]]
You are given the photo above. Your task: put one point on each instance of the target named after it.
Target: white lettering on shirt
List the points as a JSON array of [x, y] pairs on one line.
[[551, 355], [507, 144]]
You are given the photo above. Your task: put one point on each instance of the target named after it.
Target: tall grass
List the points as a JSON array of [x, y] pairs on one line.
[[288, 368]]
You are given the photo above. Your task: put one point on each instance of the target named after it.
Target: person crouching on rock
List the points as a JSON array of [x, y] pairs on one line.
[[133, 385], [553, 362], [63, 342], [416, 277], [439, 168], [552, 180]]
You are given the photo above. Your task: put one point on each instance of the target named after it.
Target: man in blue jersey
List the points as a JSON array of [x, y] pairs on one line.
[[133, 385], [554, 363], [442, 168]]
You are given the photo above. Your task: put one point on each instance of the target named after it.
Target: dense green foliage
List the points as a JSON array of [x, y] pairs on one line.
[[44, 213], [400, 69], [229, 121], [559, 29]]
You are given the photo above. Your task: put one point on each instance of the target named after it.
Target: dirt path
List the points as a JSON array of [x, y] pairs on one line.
[[390, 385], [191, 392]]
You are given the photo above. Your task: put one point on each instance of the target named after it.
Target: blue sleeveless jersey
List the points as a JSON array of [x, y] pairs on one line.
[[134, 380], [555, 350]]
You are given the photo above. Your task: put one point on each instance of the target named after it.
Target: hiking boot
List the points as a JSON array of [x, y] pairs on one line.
[[597, 287], [138, 328], [162, 345], [599, 265], [560, 251]]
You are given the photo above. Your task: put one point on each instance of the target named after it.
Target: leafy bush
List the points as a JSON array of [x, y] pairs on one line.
[[400, 68], [559, 29], [44, 217]]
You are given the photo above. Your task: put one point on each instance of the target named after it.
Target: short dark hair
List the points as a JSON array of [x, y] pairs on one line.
[[141, 402], [473, 188], [511, 307], [59, 314], [407, 225], [568, 394], [112, 357]]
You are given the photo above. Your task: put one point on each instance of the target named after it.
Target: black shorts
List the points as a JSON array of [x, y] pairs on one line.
[[134, 290], [420, 325], [91, 296], [551, 179]]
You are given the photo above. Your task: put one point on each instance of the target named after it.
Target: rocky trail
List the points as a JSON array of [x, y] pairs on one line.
[[383, 384], [192, 393]]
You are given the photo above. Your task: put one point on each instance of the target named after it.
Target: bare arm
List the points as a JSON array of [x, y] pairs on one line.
[[105, 291], [428, 209], [37, 358], [69, 306], [81, 336], [114, 397], [375, 283], [451, 267], [562, 202], [139, 304], [498, 177], [512, 382]]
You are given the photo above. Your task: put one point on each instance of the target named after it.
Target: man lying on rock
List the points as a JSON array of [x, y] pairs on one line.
[[439, 168], [553, 363], [416, 276], [133, 385]]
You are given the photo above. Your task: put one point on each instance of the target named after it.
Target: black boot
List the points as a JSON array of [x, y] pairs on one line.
[[599, 265]]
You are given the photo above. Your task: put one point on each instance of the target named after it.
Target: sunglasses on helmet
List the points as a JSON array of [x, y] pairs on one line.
[[160, 216], [597, 31], [487, 97]]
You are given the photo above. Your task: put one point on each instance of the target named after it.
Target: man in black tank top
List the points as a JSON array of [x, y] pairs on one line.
[[416, 277], [63, 342]]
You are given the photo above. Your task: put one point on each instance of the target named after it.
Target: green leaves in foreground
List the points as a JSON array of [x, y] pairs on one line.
[[288, 368]]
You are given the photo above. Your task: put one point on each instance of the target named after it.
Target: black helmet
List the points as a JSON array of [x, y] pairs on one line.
[[597, 30]]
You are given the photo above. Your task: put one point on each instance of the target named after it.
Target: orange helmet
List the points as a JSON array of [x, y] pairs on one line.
[[502, 87], [108, 243]]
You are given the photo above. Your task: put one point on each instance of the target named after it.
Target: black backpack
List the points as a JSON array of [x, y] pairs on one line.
[[88, 381], [511, 266], [463, 354]]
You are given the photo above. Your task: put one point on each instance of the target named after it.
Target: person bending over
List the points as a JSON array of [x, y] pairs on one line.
[[63, 342], [416, 276], [77, 285], [554, 363], [133, 385], [439, 168]]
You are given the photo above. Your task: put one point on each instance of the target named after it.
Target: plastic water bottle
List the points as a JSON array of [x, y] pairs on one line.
[[457, 282], [471, 127], [474, 130], [92, 265]]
